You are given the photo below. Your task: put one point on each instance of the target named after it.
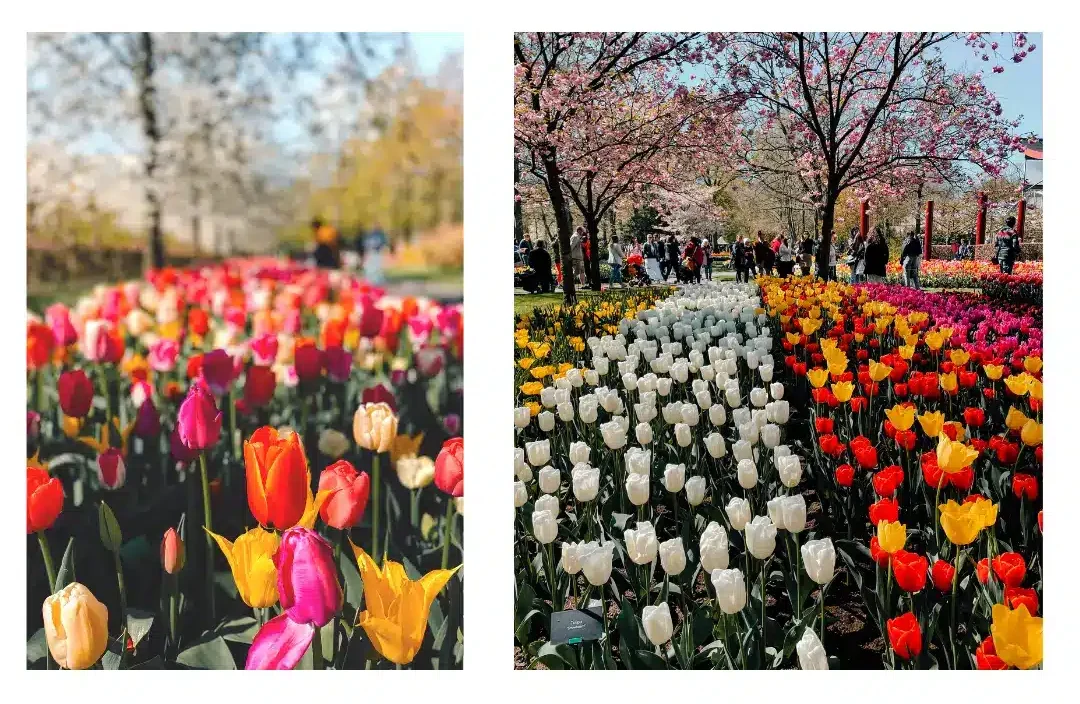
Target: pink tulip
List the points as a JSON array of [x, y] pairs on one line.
[[58, 318], [111, 470], [177, 450], [264, 349], [279, 644], [307, 577], [163, 355], [199, 420]]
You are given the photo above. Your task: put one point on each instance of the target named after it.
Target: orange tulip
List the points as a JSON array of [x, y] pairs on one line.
[[277, 478]]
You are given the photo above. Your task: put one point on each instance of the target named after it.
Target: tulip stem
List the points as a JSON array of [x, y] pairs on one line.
[[46, 557], [123, 605], [448, 533], [375, 485], [172, 613], [952, 604], [414, 507], [764, 623], [316, 650], [209, 540]]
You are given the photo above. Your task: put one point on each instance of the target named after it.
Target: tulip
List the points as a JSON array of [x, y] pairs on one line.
[[586, 482], [396, 607], [775, 507], [44, 499], [790, 470], [218, 371], [549, 480], [76, 393], [1010, 568], [199, 420], [637, 488], [714, 443], [730, 586], [891, 536], [545, 527], [172, 552], [932, 423], [672, 556], [742, 450], [76, 627], [521, 469], [747, 474], [522, 416], [375, 427], [415, 472], [644, 433], [738, 513], [548, 503], [713, 548], [569, 560], [277, 478], [641, 543], [579, 452], [1017, 636], [657, 623], [346, 495], [811, 652], [695, 490], [761, 537], [717, 415], [521, 494], [111, 471], [595, 561], [546, 421], [450, 467], [251, 559], [307, 577], [794, 510], [674, 477], [905, 635], [539, 452], [961, 522]]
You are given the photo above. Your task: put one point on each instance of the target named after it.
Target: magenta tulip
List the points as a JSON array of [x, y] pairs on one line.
[[147, 419], [307, 577], [218, 370], [279, 644], [178, 451], [338, 362], [199, 420]]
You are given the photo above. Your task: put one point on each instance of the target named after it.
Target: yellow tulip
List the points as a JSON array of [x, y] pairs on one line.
[[252, 564], [959, 357], [907, 351], [817, 377], [985, 512], [1033, 364], [879, 371], [526, 362], [993, 371], [403, 446], [931, 423], [843, 391], [76, 627], [1018, 383], [962, 522], [71, 426], [396, 608], [809, 325], [1035, 390], [952, 456], [948, 381], [1015, 418], [534, 408], [531, 388], [415, 472], [902, 417], [1018, 636], [934, 340], [1031, 433], [891, 536], [793, 338]]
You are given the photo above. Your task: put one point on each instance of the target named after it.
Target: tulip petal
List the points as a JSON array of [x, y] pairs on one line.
[[377, 595], [279, 644], [314, 504], [388, 638]]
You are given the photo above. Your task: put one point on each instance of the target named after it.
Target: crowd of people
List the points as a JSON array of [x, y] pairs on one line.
[[365, 250], [689, 259]]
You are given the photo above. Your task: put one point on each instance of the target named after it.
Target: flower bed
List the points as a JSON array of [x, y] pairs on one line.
[[700, 496], [246, 418], [955, 273]]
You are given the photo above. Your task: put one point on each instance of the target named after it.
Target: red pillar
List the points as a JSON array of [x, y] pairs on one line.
[[1021, 210], [928, 231], [864, 219], [980, 220]]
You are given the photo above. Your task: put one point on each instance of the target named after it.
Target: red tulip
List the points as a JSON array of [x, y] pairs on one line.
[[44, 499], [909, 569], [345, 506], [982, 570], [942, 573], [986, 657], [450, 467], [974, 417], [110, 469], [1025, 486], [884, 510], [845, 475], [76, 393], [888, 480], [308, 360], [905, 635], [39, 345], [218, 370], [824, 426], [338, 362], [1010, 568], [259, 385], [172, 552]]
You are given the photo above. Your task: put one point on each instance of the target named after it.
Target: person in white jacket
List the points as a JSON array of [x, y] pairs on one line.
[[615, 259], [785, 258]]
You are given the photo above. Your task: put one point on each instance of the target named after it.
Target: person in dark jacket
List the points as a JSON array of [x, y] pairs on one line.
[[877, 257], [910, 257], [540, 262], [1007, 246], [763, 255], [738, 261], [670, 264]]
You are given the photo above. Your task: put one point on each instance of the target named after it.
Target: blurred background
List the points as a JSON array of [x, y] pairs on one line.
[[148, 149]]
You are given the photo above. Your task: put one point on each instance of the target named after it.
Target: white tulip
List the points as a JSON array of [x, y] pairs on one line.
[[714, 443], [778, 412], [742, 450], [695, 490], [522, 416], [683, 436], [663, 385], [545, 528], [646, 383], [595, 561], [521, 470], [637, 488], [819, 559], [747, 474], [713, 548], [777, 390], [794, 508], [586, 481], [690, 414], [790, 469], [601, 365], [641, 545], [574, 377], [776, 511], [679, 371], [547, 397], [565, 411], [614, 434], [630, 381], [741, 416], [548, 503], [766, 373], [672, 413], [548, 478], [645, 412], [811, 652], [674, 477], [521, 494], [644, 434], [546, 420], [749, 432], [591, 377], [761, 537], [587, 408], [657, 623], [570, 560], [732, 397], [730, 586], [638, 461], [758, 396], [672, 556], [738, 512], [579, 452], [539, 452], [717, 414], [770, 435]]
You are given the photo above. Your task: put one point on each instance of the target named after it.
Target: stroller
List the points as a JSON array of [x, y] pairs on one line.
[[635, 270], [687, 271]]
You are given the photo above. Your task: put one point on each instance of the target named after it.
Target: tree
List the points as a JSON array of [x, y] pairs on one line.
[[873, 112]]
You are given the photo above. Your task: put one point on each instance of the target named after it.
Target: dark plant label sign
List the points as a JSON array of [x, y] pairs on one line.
[[577, 625]]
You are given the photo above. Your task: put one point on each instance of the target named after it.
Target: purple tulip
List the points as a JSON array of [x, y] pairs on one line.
[[307, 577], [218, 370], [338, 362], [199, 420], [147, 420]]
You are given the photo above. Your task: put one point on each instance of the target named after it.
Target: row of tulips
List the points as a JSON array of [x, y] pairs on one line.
[[657, 487], [209, 411], [925, 414], [970, 274]]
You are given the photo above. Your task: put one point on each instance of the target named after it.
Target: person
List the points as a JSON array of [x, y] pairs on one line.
[[653, 252], [763, 255], [856, 258], [777, 240], [832, 260], [694, 259], [540, 262], [374, 244], [577, 254], [1007, 246], [877, 257], [706, 247], [672, 258], [785, 258], [749, 264], [806, 254], [326, 252], [738, 262], [525, 246], [615, 259], [910, 258]]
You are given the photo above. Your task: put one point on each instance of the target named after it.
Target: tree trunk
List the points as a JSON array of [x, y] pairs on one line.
[[147, 102], [827, 214], [593, 228], [519, 226], [562, 224]]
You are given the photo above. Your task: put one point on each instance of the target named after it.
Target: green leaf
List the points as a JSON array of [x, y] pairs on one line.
[[66, 574], [108, 528], [327, 635], [239, 630], [211, 654], [139, 623], [353, 583], [557, 657], [630, 636], [650, 660], [154, 663], [37, 648]]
